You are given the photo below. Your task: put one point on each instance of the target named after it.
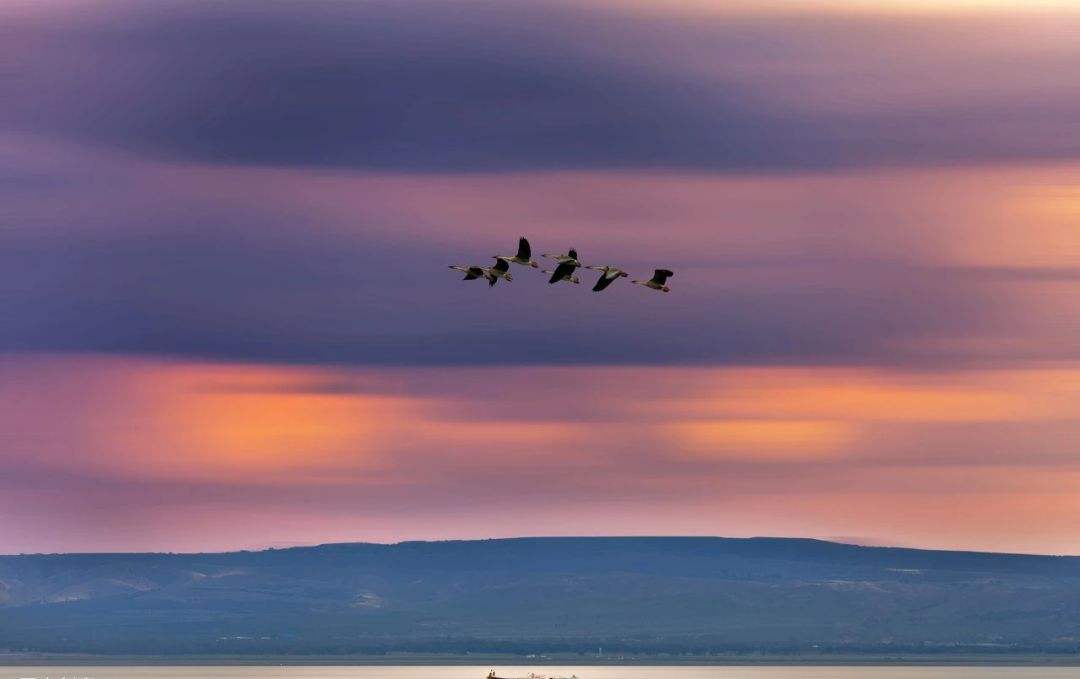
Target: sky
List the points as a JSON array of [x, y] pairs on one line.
[[226, 319]]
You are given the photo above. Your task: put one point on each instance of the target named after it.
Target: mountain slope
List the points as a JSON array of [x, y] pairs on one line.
[[534, 594]]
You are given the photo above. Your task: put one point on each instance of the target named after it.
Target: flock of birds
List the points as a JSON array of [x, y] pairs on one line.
[[563, 272]]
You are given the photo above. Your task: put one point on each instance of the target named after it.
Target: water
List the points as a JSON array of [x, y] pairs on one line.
[[590, 672]]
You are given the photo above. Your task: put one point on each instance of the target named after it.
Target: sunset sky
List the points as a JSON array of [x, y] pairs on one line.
[[226, 319]]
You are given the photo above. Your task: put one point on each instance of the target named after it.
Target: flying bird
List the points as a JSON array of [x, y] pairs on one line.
[[658, 281], [492, 273], [569, 277], [500, 270], [608, 275], [569, 256], [567, 264], [523, 256], [471, 272]]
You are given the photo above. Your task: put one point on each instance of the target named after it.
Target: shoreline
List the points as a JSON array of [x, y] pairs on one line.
[[552, 660]]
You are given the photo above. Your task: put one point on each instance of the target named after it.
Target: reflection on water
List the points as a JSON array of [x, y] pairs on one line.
[[588, 672]]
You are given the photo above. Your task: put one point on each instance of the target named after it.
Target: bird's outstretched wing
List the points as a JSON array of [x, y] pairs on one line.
[[562, 271], [492, 280], [661, 276], [473, 273], [603, 282], [501, 264], [524, 251]]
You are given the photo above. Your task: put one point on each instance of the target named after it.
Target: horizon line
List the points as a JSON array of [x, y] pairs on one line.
[[399, 543]]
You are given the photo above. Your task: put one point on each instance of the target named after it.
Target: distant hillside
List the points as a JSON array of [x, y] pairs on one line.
[[542, 594]]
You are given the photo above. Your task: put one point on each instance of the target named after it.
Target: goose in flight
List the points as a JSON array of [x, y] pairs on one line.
[[471, 272], [569, 256], [569, 277], [608, 275], [500, 270], [658, 281], [567, 264], [523, 256], [492, 274]]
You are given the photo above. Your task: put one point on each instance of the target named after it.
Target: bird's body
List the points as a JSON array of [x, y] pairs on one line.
[[608, 275], [491, 273], [570, 256], [471, 272], [569, 277], [658, 281], [567, 264], [523, 256], [501, 269]]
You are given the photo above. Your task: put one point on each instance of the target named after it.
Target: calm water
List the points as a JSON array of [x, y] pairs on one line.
[[592, 672]]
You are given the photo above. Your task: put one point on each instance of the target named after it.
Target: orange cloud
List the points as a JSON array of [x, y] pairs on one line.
[[219, 422], [853, 395], [900, 455], [762, 440]]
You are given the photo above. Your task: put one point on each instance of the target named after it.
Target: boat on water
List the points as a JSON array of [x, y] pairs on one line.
[[530, 675]]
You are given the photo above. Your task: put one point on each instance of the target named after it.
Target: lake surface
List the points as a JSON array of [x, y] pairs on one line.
[[590, 672]]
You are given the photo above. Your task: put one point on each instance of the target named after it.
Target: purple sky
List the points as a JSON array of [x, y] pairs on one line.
[[223, 289]]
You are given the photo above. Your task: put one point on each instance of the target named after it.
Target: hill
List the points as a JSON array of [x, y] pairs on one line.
[[650, 595]]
